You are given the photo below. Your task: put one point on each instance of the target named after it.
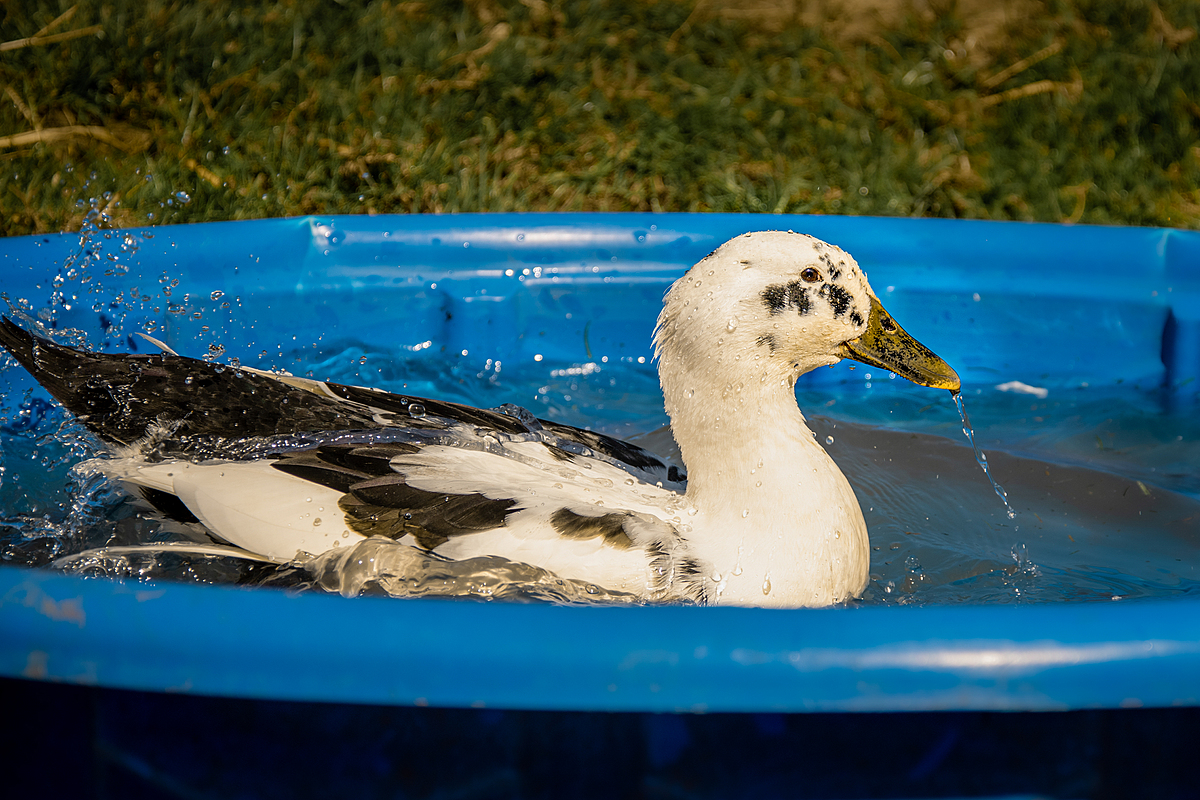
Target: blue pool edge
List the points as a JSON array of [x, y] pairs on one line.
[[276, 644], [273, 644]]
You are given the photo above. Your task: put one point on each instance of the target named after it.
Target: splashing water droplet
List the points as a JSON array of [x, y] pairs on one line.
[[766, 587], [731, 326], [828, 440], [1020, 556], [980, 458], [217, 295], [416, 410]]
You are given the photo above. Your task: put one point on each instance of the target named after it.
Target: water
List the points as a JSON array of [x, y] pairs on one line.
[[980, 456], [1117, 522], [1101, 501]]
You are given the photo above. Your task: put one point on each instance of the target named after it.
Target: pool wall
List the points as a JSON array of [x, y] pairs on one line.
[[1119, 304], [1071, 303]]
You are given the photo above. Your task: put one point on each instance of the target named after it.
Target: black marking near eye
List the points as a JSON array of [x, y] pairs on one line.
[[836, 272], [839, 298], [798, 297], [769, 340], [856, 318], [774, 297], [793, 294]]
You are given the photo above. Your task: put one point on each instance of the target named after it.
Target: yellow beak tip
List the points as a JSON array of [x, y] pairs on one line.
[[951, 383]]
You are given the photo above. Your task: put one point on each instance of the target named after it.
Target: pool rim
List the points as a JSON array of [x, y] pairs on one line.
[[274, 644]]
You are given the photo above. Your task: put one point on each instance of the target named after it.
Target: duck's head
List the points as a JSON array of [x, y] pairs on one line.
[[781, 304]]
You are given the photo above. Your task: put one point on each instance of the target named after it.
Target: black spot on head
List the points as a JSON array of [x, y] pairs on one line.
[[769, 340], [839, 298], [779, 296], [798, 297], [856, 318], [775, 297]]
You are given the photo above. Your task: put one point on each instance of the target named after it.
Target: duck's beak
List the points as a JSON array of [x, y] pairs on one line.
[[885, 344]]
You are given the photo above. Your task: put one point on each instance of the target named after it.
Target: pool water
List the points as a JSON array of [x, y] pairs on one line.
[[1105, 498], [1101, 477]]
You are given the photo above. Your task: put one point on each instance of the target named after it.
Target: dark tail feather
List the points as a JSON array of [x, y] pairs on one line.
[[92, 386], [17, 341], [120, 396]]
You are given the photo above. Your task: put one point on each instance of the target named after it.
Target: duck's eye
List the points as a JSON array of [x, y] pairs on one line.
[[811, 275]]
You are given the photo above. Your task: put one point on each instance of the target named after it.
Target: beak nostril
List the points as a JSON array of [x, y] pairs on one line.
[[888, 325]]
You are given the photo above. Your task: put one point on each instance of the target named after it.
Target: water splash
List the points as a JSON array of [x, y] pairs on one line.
[[379, 566], [980, 456]]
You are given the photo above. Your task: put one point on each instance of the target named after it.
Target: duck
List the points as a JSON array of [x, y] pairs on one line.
[[288, 468]]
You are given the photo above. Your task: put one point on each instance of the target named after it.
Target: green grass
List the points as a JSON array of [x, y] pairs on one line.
[[313, 106]]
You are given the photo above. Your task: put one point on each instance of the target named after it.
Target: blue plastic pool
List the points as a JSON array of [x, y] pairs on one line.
[[1112, 310]]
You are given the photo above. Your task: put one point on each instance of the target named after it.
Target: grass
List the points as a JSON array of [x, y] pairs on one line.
[[1084, 112]]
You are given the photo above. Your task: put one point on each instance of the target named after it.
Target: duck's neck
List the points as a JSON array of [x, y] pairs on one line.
[[775, 517]]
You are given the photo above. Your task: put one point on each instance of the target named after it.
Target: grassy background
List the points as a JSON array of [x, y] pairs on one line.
[[1074, 110]]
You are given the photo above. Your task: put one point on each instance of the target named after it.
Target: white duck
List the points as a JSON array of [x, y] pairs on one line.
[[289, 468]]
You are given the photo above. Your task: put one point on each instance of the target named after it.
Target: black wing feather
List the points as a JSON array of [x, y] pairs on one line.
[[378, 502], [119, 397]]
